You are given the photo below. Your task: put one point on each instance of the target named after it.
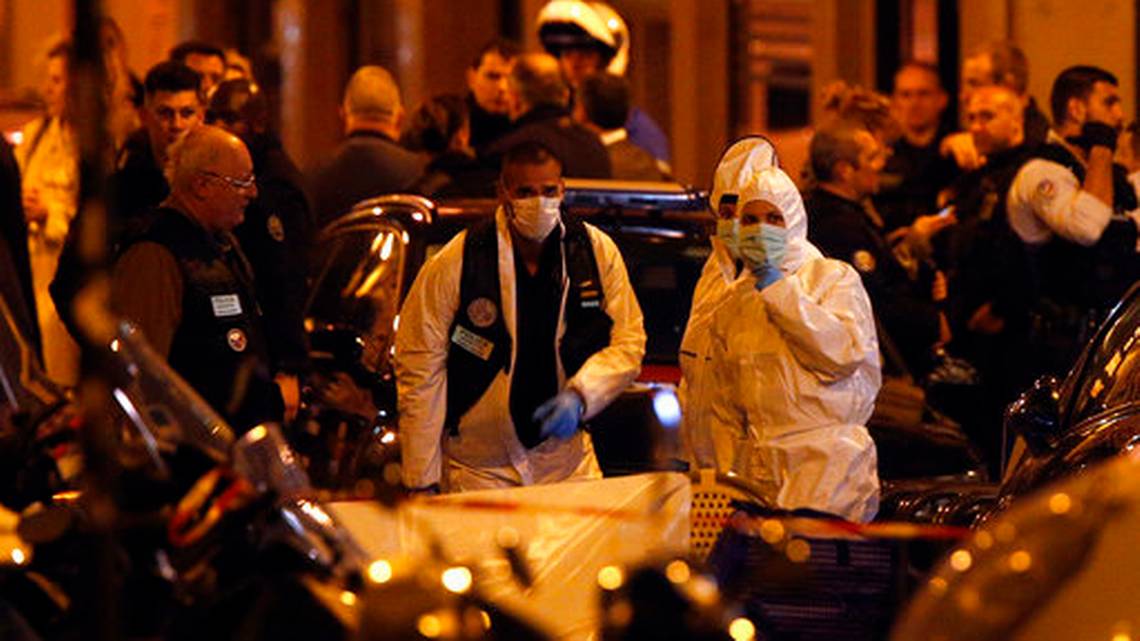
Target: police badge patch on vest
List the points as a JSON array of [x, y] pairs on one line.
[[472, 342], [275, 228], [863, 261], [226, 305], [237, 340], [482, 312]]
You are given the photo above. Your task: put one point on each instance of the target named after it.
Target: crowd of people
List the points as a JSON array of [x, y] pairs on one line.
[[977, 256], [992, 253], [452, 144]]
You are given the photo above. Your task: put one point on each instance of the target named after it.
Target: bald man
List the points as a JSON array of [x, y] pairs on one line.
[[539, 107], [369, 162], [998, 63], [186, 284], [991, 281]]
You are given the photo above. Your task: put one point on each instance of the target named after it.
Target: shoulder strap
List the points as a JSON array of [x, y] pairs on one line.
[[582, 265], [480, 345], [587, 324]]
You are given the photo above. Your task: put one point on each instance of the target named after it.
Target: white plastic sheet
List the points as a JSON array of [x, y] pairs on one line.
[[567, 532]]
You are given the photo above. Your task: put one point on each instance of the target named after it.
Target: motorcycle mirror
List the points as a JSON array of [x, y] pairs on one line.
[[264, 458], [1036, 415]]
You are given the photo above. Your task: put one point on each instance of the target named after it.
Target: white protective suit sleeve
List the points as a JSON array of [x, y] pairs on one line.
[[605, 374], [1046, 198], [421, 363], [831, 335]]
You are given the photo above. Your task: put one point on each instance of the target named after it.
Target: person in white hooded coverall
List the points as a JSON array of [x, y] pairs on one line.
[[780, 359], [505, 435]]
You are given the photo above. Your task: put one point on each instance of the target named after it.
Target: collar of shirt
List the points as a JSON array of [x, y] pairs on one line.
[[613, 136], [370, 133], [541, 113]]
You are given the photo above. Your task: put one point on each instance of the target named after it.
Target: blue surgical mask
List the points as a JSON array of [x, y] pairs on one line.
[[728, 231], [776, 243], [762, 244]]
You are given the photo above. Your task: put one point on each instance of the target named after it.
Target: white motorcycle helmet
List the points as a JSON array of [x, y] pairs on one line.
[[576, 23]]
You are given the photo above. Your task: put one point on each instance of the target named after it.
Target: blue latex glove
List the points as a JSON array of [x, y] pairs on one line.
[[766, 275], [560, 415]]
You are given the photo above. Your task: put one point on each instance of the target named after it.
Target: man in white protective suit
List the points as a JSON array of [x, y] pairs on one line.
[[780, 360], [517, 332]]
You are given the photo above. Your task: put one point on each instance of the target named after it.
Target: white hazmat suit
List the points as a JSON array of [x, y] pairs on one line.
[[777, 384], [486, 453]]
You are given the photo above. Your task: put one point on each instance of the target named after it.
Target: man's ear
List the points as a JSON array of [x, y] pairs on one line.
[[471, 78], [1076, 110], [842, 170]]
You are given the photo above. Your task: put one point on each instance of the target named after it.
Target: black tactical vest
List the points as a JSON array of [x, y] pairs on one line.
[[219, 346], [480, 345], [1090, 278], [988, 261]]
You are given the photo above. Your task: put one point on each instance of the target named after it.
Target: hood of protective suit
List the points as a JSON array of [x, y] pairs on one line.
[[565, 23], [750, 170], [738, 164]]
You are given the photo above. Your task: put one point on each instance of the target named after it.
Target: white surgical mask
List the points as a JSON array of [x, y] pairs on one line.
[[535, 217]]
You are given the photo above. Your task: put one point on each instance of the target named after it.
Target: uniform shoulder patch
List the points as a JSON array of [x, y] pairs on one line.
[[275, 228], [863, 261], [1046, 189]]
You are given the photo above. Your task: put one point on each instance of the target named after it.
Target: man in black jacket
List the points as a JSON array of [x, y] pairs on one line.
[[847, 161], [992, 285], [173, 105], [276, 233], [369, 162], [540, 102], [487, 98], [188, 286]]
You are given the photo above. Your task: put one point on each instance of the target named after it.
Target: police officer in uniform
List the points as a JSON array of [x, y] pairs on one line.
[[847, 160], [275, 233], [187, 285], [1070, 206], [992, 286], [512, 337]]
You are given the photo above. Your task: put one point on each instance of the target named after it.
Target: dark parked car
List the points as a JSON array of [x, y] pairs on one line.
[[1064, 427]]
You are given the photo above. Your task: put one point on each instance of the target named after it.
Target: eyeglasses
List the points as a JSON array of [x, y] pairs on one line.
[[240, 184]]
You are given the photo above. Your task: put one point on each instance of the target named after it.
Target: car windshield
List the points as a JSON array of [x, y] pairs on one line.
[[358, 285], [1111, 372]]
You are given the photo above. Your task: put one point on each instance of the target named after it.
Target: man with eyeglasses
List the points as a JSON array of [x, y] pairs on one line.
[[187, 285], [847, 161], [518, 332]]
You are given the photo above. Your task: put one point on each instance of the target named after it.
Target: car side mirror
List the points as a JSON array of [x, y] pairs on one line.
[[1036, 415]]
